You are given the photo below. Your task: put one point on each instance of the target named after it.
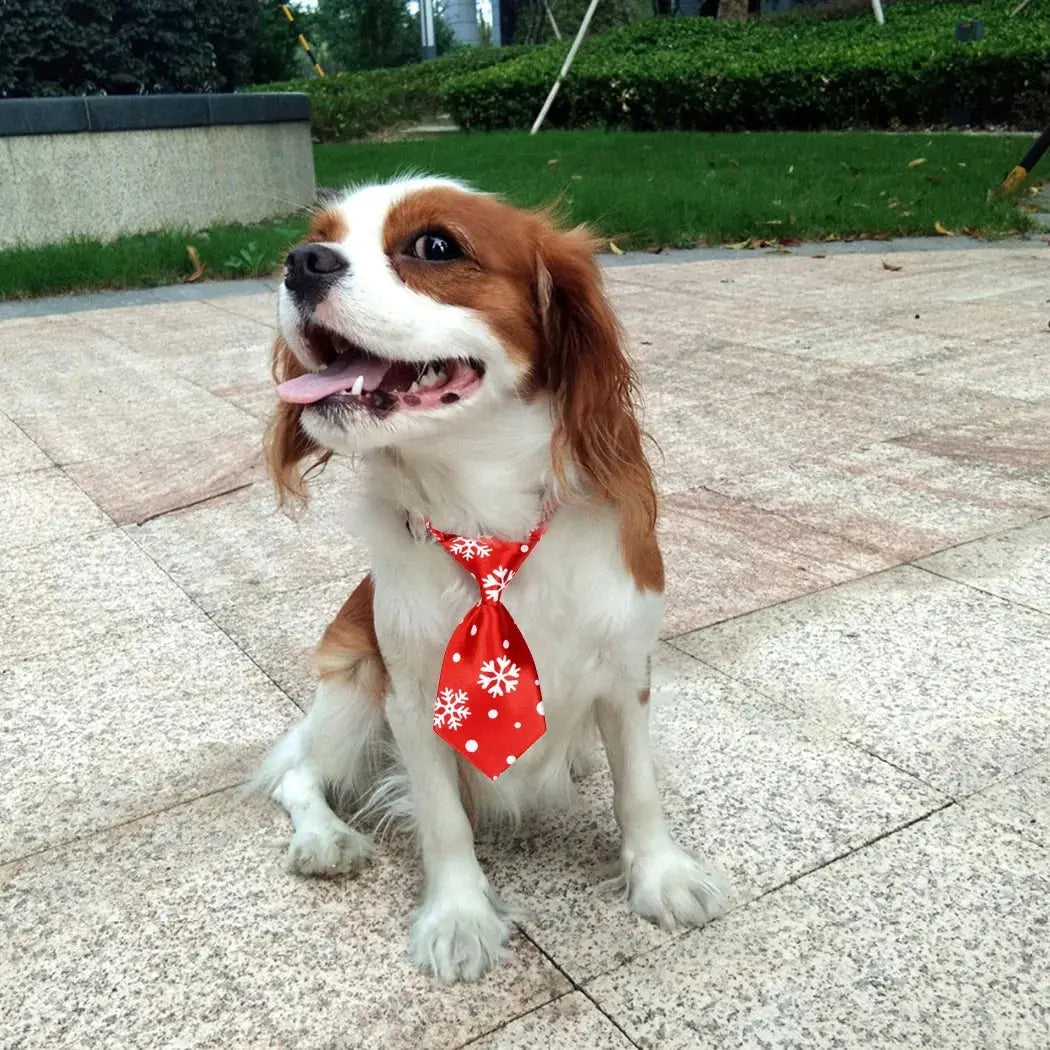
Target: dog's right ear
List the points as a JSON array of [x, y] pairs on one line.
[[291, 454]]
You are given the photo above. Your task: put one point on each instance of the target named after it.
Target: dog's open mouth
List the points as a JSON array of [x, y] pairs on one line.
[[354, 376]]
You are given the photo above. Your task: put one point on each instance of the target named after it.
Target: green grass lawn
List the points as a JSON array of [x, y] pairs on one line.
[[664, 189]]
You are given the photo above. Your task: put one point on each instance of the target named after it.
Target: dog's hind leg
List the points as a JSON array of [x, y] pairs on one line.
[[334, 750]]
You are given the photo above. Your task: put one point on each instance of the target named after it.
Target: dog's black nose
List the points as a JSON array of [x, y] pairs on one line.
[[311, 267]]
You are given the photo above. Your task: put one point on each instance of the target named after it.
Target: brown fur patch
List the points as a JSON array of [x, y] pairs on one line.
[[349, 648], [327, 224], [643, 696], [287, 445]]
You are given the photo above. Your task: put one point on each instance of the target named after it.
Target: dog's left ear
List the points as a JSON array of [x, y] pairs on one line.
[[584, 366], [292, 455]]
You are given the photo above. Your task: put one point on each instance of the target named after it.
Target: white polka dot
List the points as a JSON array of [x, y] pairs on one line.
[[536, 682], [506, 644], [511, 760], [473, 630], [539, 708], [472, 746], [456, 658], [493, 713], [517, 725], [524, 548]]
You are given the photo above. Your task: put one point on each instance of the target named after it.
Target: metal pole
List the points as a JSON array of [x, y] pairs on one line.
[[550, 15], [876, 6], [303, 41], [566, 66], [428, 49]]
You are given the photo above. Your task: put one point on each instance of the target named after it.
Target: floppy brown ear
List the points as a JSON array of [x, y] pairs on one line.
[[587, 371], [292, 455]]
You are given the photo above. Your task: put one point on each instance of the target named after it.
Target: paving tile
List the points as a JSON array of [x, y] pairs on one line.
[[1021, 803], [178, 331], [42, 506], [136, 485], [261, 307], [1014, 565], [724, 557], [893, 502], [240, 548], [568, 1023], [164, 711], [17, 453], [938, 678], [762, 792], [185, 930], [703, 437], [281, 632], [80, 590], [1016, 441], [1018, 369], [922, 939], [98, 401]]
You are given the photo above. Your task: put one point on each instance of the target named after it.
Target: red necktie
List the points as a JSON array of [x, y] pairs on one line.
[[489, 706]]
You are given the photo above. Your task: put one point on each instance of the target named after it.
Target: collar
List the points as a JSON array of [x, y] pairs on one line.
[[417, 524]]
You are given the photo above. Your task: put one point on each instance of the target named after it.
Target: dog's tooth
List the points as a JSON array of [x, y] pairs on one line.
[[358, 387], [414, 388], [428, 378]]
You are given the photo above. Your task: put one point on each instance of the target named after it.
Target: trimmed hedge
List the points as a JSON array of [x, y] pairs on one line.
[[703, 74], [352, 105]]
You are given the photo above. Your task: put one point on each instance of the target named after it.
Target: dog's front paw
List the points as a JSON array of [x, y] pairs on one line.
[[671, 887], [458, 938], [328, 849]]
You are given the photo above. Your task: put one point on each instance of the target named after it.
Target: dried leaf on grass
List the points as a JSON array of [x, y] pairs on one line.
[[198, 266], [915, 163], [615, 248], [942, 229]]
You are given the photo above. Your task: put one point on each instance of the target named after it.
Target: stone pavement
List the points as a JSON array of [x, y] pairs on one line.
[[853, 708]]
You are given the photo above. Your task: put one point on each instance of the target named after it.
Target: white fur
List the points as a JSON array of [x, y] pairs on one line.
[[479, 467]]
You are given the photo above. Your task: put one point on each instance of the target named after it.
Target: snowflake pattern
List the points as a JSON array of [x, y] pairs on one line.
[[496, 583], [451, 709], [499, 676], [467, 548]]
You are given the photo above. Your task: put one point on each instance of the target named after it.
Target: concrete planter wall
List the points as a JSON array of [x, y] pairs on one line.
[[100, 167]]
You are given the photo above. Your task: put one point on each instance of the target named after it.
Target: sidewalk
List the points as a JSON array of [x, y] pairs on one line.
[[852, 704]]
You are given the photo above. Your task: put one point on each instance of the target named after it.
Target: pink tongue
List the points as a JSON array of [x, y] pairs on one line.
[[339, 375]]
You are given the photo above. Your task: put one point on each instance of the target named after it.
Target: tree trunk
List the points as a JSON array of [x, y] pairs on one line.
[[733, 10]]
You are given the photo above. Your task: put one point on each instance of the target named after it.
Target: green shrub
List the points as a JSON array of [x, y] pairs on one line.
[[703, 74], [63, 47], [352, 105]]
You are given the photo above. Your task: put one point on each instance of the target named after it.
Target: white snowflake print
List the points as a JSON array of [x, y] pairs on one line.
[[499, 676], [451, 709], [468, 549], [496, 583]]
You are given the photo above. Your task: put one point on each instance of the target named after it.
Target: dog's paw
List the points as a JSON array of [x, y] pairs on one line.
[[330, 849], [459, 938], [671, 887]]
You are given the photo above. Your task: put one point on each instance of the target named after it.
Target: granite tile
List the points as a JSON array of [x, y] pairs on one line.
[[568, 1023], [1013, 440], [17, 453], [261, 307], [75, 591], [893, 502], [758, 790], [164, 711], [921, 939], [177, 332], [136, 484], [1014, 565], [937, 678], [42, 506], [724, 557], [240, 548], [184, 929], [281, 632], [1018, 369], [1021, 803]]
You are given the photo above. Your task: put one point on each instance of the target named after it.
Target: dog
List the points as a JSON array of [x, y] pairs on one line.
[[463, 352]]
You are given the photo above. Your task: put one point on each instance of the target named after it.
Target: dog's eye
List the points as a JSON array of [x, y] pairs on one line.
[[436, 247]]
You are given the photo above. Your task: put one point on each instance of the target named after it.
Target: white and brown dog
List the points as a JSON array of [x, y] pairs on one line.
[[464, 352]]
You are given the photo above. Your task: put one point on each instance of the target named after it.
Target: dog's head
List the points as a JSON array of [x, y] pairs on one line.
[[416, 309]]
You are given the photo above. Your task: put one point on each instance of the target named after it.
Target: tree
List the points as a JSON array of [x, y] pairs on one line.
[[371, 34]]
